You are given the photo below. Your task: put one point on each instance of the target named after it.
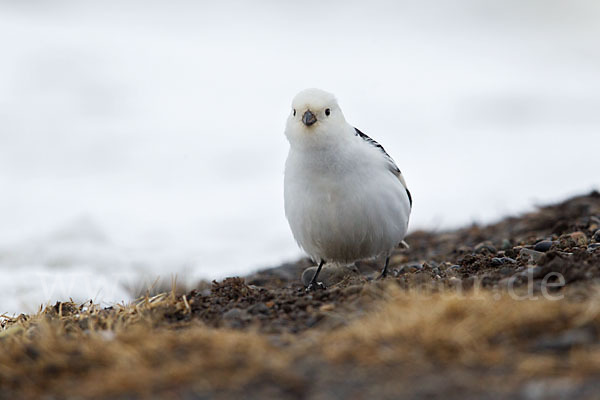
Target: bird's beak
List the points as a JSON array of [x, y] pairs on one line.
[[309, 118]]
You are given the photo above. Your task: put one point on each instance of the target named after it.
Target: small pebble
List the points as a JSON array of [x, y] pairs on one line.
[[484, 246], [532, 254], [506, 244], [497, 261], [454, 267], [596, 236], [579, 238], [593, 247], [235, 313], [409, 268], [543, 246], [259, 308], [427, 266], [565, 253]]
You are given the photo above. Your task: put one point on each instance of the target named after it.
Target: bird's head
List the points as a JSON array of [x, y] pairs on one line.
[[314, 118]]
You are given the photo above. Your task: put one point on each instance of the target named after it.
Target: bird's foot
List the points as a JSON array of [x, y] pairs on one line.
[[315, 286], [381, 276]]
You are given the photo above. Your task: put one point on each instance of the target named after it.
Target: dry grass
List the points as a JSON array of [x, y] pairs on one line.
[[469, 329], [86, 351], [139, 349]]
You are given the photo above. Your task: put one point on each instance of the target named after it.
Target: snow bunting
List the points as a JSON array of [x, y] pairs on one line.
[[345, 198]]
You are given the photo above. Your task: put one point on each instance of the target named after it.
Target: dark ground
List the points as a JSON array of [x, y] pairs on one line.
[[495, 258]]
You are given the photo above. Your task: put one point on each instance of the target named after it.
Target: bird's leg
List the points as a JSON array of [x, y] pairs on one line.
[[385, 268], [313, 285]]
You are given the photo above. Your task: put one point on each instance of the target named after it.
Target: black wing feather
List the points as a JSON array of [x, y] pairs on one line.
[[394, 168], [380, 147]]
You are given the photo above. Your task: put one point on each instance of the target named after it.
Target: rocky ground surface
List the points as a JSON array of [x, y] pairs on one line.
[[509, 310]]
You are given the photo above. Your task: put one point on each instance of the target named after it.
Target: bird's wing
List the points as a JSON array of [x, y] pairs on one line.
[[392, 165]]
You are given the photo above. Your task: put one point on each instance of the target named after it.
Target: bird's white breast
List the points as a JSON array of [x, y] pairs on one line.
[[343, 203]]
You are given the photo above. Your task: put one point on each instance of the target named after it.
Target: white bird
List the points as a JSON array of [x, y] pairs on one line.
[[345, 198]]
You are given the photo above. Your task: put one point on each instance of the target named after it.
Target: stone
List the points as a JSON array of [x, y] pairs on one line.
[[543, 246], [497, 261], [236, 318], [579, 238], [596, 236], [485, 246], [414, 267], [429, 265], [531, 254], [593, 247], [235, 313], [258, 308], [408, 268]]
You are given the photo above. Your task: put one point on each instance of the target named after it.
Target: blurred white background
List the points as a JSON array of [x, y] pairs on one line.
[[146, 137]]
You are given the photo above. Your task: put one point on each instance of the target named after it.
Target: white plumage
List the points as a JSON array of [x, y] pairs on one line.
[[345, 198]]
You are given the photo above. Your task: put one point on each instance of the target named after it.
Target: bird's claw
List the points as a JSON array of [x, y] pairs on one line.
[[315, 286], [381, 276]]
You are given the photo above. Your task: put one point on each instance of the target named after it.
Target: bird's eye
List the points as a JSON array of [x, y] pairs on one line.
[[327, 112], [294, 112]]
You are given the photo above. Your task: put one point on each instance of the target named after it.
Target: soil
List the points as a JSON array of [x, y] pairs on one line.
[[509, 310], [491, 257]]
